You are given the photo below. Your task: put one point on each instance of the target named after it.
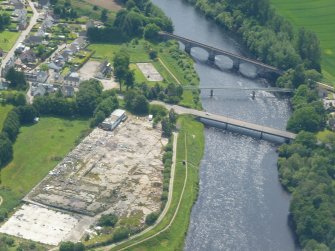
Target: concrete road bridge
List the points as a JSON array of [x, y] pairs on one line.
[[229, 121], [252, 89], [213, 52]]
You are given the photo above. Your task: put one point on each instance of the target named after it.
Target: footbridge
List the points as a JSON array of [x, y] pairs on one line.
[[230, 121], [253, 89], [213, 52]]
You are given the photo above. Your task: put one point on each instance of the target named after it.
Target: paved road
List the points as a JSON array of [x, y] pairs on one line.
[[22, 36], [229, 121]]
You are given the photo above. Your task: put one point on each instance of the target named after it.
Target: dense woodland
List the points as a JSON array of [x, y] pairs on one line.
[[306, 167]]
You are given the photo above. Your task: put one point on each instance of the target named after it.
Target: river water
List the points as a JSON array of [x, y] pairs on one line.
[[241, 205]]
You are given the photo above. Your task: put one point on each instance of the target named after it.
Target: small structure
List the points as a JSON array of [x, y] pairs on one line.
[[72, 79], [114, 120], [67, 91], [104, 70]]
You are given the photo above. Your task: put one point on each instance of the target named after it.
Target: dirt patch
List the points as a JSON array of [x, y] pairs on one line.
[[89, 71], [107, 4], [150, 72]]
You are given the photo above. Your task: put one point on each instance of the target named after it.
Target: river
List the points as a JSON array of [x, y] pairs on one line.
[[241, 204]]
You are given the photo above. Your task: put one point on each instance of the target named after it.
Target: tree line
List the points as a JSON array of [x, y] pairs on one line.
[[138, 17]]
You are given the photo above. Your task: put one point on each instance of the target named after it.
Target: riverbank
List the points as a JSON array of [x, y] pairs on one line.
[[190, 147]]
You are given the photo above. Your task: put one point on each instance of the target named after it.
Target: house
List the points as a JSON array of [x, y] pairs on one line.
[[72, 79], [104, 69], [42, 76], [33, 40], [43, 3], [20, 16], [28, 57], [38, 90], [54, 66], [30, 76], [114, 120], [18, 4], [67, 91]]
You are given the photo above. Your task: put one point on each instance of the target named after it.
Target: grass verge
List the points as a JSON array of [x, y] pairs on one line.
[[317, 16], [4, 109], [37, 150], [173, 237]]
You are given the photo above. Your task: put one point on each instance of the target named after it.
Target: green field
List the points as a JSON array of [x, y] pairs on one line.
[[173, 237], [4, 109], [8, 39], [317, 16], [37, 150]]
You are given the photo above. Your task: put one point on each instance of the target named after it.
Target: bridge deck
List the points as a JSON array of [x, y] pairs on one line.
[[270, 89], [201, 45], [230, 121]]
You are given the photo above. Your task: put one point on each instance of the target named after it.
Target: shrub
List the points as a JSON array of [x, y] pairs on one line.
[[108, 220], [151, 218]]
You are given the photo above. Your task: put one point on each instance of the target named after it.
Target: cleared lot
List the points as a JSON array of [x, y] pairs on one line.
[[40, 224], [150, 72]]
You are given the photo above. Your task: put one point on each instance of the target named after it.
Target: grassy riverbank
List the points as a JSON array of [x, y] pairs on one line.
[[317, 16], [173, 238]]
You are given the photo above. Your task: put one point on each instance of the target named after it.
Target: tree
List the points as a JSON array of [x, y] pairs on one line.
[[16, 79], [151, 218], [88, 96], [172, 116], [153, 54], [27, 114], [104, 16], [70, 246], [304, 118], [108, 220], [121, 66], [166, 128], [129, 79], [151, 31], [6, 150]]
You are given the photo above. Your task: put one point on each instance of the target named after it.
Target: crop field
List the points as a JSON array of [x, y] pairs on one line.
[[317, 16], [8, 39], [3, 113], [37, 150]]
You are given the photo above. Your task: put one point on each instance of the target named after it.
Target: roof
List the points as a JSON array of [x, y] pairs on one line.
[[118, 112]]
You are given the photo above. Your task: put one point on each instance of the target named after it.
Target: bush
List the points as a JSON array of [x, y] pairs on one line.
[[3, 214], [120, 234], [108, 220], [151, 218]]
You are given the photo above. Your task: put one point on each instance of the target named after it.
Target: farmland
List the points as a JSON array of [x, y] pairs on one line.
[[317, 16], [37, 150]]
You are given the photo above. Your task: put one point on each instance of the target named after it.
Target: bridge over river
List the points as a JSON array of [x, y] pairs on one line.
[[213, 52], [229, 121]]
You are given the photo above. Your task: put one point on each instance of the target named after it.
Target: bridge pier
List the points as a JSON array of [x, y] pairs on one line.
[[236, 64], [211, 57], [188, 48], [211, 93]]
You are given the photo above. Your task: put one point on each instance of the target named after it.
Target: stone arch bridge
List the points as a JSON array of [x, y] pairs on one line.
[[262, 68]]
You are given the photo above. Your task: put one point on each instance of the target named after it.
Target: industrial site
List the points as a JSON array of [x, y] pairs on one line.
[[116, 170]]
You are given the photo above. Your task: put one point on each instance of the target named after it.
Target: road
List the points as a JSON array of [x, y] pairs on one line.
[[22, 36], [228, 121]]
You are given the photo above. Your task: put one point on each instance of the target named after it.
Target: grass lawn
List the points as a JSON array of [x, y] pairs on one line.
[[173, 238], [37, 150], [4, 109], [8, 39], [138, 53], [317, 16]]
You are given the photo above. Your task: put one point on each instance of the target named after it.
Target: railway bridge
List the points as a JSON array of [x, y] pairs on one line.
[[213, 52]]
